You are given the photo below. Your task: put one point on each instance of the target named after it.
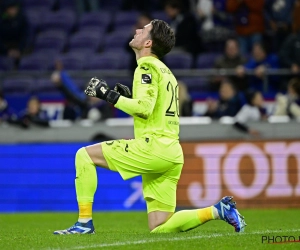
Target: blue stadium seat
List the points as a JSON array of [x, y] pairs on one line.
[[44, 86], [99, 30], [34, 62], [50, 54], [62, 19], [108, 61], [99, 19], [67, 4], [6, 63], [196, 83], [111, 5], [31, 4], [116, 40], [206, 60], [178, 60], [34, 17], [81, 51], [161, 15], [17, 85], [125, 29], [52, 39], [73, 61], [125, 18], [86, 40]]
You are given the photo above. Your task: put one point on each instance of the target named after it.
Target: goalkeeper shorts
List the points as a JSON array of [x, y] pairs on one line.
[[137, 157]]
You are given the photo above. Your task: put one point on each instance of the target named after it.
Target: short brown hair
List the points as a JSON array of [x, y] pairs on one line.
[[163, 38]]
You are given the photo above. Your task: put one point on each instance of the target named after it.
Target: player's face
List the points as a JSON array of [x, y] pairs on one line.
[[141, 38]]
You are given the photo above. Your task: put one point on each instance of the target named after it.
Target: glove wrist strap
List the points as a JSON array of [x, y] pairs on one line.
[[112, 97]]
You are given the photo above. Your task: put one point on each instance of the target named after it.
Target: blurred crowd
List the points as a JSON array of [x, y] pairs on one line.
[[248, 37]]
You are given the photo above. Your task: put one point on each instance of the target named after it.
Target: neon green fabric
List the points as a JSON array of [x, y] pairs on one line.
[[135, 157], [179, 222], [154, 107], [155, 205], [86, 177]]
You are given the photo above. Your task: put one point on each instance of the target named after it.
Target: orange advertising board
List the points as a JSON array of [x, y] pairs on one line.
[[264, 174]]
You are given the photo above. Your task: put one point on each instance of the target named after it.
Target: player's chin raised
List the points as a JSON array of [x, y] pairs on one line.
[[130, 43]]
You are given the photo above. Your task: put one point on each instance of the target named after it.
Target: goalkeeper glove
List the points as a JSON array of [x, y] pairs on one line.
[[98, 88], [123, 90]]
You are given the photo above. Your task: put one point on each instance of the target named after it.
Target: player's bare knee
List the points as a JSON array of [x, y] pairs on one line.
[[95, 153], [152, 226]]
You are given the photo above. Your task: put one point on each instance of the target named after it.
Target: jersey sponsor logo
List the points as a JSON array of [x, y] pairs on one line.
[[146, 78], [173, 122], [144, 68], [165, 71]]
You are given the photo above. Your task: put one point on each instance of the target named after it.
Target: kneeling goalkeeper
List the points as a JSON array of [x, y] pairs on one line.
[[155, 152]]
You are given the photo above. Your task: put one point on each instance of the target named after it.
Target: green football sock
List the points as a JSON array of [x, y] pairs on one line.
[[86, 177], [185, 220]]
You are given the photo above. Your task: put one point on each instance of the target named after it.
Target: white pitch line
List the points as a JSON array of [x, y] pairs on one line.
[[139, 242]]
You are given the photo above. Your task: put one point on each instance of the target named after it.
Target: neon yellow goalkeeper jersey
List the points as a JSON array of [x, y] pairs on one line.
[[155, 106]]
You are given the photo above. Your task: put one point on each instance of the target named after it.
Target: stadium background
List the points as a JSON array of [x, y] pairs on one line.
[[37, 163]]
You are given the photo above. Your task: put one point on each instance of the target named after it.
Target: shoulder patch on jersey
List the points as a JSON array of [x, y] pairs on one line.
[[146, 78]]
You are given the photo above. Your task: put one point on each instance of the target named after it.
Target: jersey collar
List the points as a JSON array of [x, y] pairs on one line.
[[145, 58]]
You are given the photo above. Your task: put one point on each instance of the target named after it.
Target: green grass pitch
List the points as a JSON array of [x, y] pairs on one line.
[[128, 230]]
